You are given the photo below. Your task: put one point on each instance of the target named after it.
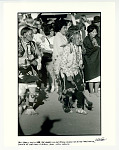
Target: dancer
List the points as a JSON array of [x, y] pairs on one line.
[[71, 71], [29, 66]]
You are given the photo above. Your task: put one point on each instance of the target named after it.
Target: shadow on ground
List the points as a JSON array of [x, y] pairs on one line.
[[45, 128]]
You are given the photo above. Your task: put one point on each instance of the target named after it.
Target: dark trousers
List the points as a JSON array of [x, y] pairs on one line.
[[77, 94], [46, 77], [80, 99]]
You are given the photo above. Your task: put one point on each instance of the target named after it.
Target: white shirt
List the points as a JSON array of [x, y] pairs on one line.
[[59, 42], [45, 43]]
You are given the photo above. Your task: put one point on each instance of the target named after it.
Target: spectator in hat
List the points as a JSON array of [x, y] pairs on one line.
[[28, 19], [39, 23], [83, 24], [69, 20], [96, 21], [92, 59]]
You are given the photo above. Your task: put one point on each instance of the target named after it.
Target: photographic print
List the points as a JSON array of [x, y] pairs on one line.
[[59, 73]]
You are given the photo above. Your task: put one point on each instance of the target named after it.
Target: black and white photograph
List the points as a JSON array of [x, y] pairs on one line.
[[59, 73]]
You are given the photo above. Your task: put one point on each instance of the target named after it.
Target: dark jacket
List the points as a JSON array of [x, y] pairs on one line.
[[91, 59]]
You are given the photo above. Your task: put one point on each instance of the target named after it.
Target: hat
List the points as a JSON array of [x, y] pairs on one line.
[[96, 19], [35, 25], [50, 21], [68, 18], [72, 30]]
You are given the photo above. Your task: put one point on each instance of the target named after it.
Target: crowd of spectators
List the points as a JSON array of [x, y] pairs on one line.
[[58, 54]]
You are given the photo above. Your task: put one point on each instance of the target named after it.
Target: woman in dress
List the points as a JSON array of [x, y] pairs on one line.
[[92, 59], [60, 41]]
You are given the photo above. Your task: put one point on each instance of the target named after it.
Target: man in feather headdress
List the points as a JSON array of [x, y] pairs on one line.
[[29, 66]]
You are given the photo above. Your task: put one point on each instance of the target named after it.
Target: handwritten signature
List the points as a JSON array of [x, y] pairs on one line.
[[100, 139]]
